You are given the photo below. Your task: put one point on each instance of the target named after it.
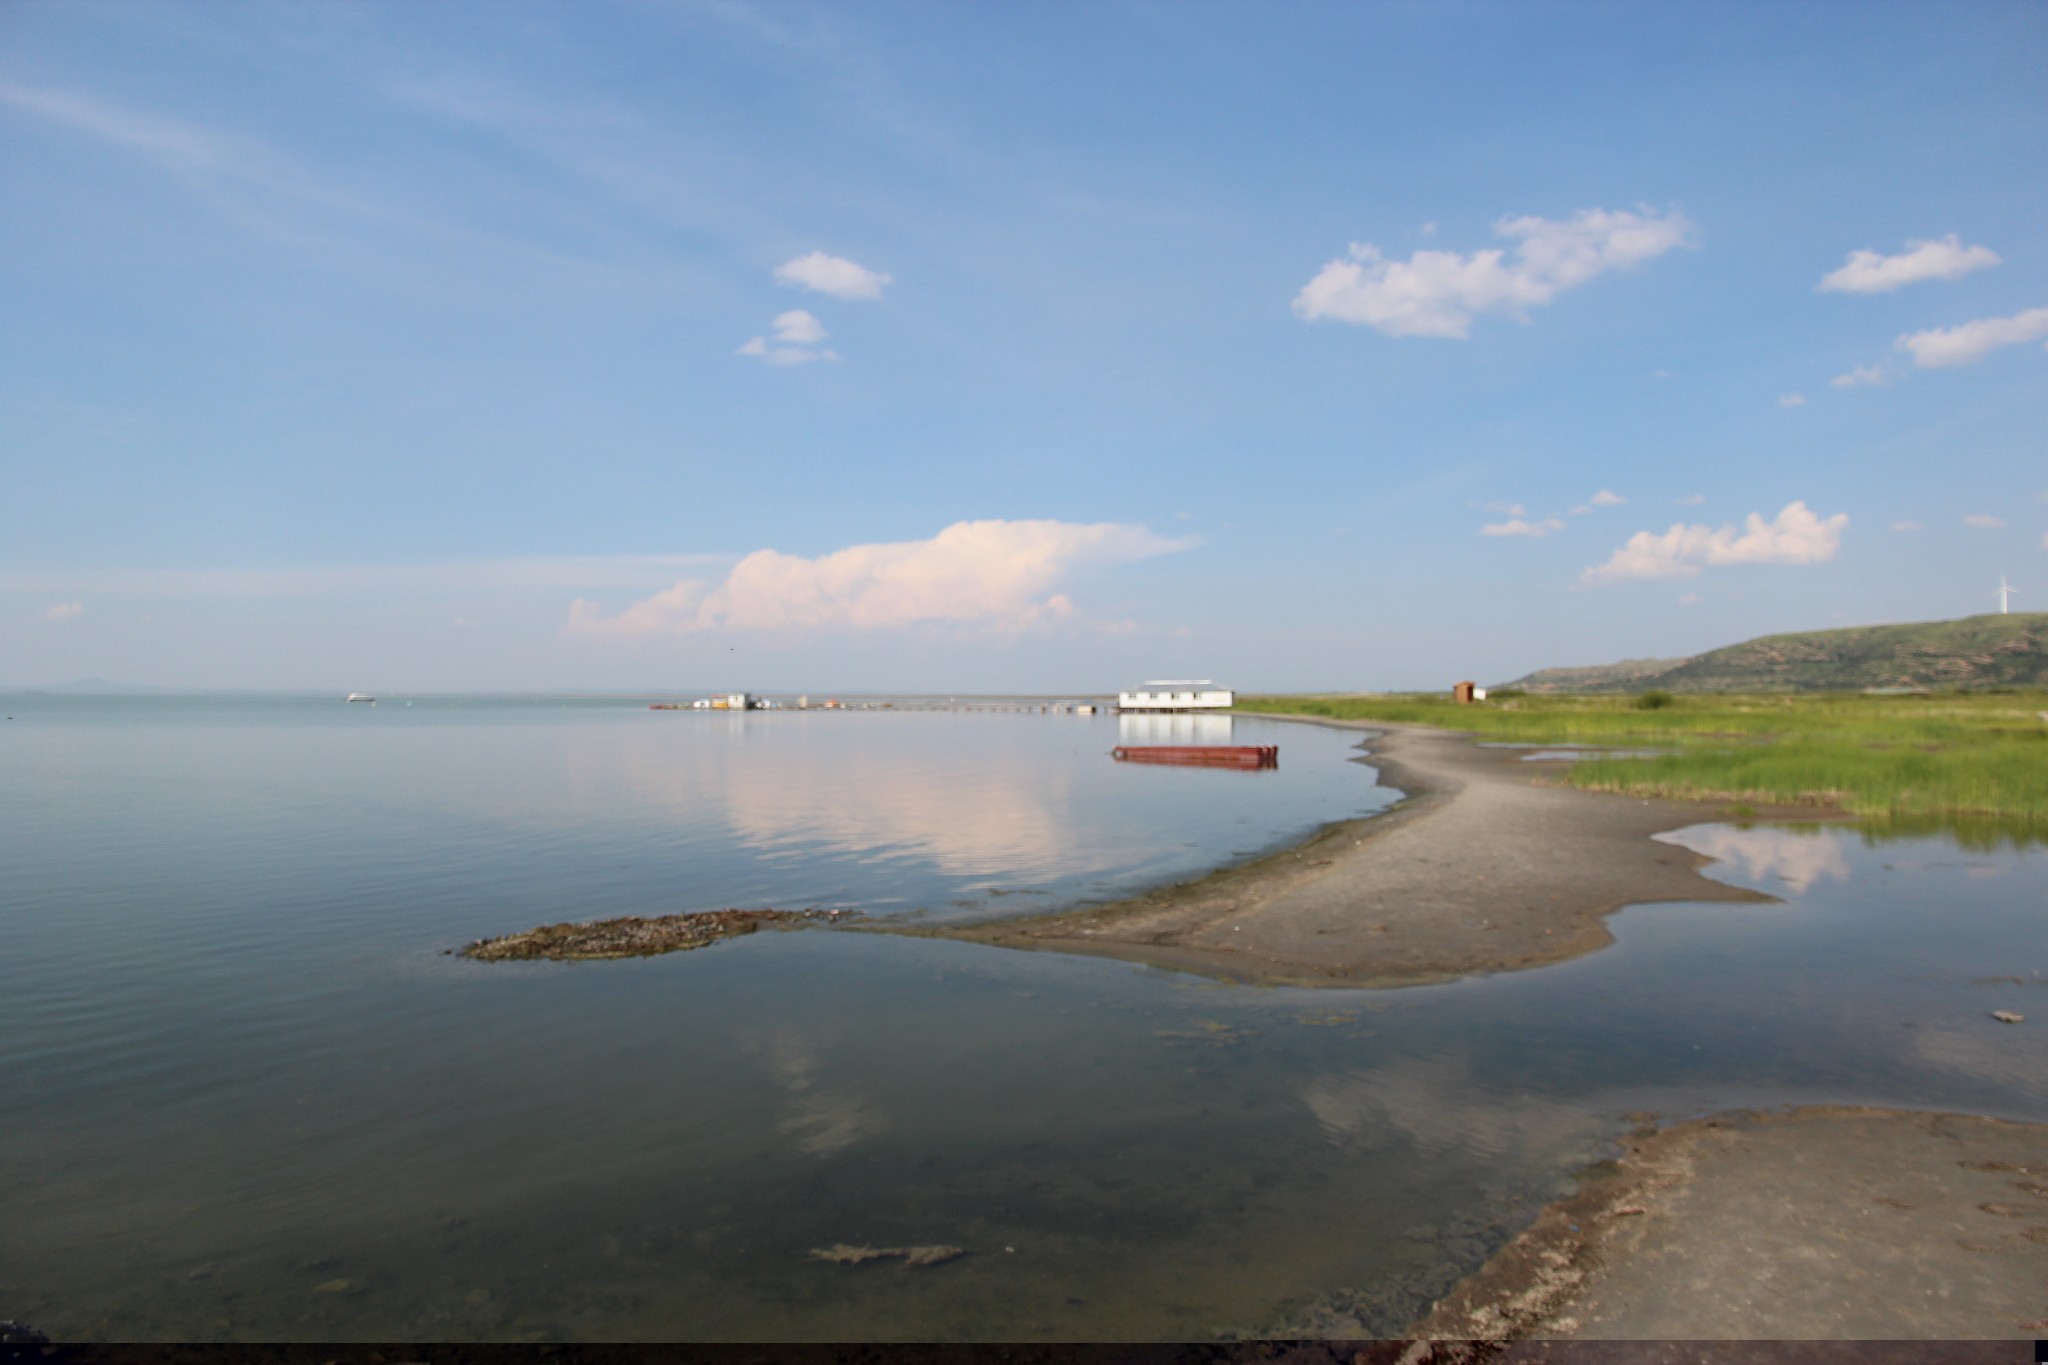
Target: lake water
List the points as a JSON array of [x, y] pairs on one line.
[[248, 1096]]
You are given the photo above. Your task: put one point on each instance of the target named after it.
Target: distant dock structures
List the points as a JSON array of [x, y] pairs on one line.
[[749, 701]]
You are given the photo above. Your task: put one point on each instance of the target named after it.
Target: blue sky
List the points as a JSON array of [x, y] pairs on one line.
[[1007, 346]]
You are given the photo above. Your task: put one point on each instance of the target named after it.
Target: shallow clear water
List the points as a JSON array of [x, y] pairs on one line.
[[248, 1096]]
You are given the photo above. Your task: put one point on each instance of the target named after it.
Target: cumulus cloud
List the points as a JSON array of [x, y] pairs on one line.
[[1983, 523], [1792, 400], [1867, 272], [65, 611], [986, 575], [1940, 347], [797, 334], [1438, 293], [834, 275], [1862, 374], [1517, 526], [1607, 497], [1795, 536]]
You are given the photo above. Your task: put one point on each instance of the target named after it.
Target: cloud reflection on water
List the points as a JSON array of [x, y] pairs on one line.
[[818, 1120], [782, 792], [1438, 1106], [1798, 857]]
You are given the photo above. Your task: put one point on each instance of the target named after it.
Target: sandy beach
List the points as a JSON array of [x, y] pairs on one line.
[[1487, 864], [1835, 1223]]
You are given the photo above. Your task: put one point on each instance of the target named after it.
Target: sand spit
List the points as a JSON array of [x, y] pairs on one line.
[[1488, 865], [1836, 1223], [639, 936]]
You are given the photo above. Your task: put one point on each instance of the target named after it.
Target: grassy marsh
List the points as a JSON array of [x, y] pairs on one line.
[[1893, 760]]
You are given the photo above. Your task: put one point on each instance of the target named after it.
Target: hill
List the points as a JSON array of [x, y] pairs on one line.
[[1975, 652]]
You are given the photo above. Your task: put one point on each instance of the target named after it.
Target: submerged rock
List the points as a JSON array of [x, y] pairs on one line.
[[639, 935]]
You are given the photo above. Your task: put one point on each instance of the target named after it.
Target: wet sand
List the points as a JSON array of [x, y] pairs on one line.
[[1835, 1223], [1488, 864]]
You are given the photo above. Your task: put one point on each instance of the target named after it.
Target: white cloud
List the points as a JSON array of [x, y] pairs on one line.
[[1866, 272], [988, 575], [65, 611], [1517, 526], [1792, 400], [798, 328], [1984, 523], [1692, 500], [1795, 536], [1862, 374], [834, 275], [1691, 599], [1940, 347], [1607, 497], [1505, 509], [1437, 293], [1907, 526], [797, 334]]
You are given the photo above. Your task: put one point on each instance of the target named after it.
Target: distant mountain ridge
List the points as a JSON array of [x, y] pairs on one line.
[[1977, 651]]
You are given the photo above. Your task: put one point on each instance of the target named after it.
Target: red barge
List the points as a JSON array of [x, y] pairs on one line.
[[1241, 756]]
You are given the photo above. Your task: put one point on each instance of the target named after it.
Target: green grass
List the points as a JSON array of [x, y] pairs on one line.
[[1900, 762]]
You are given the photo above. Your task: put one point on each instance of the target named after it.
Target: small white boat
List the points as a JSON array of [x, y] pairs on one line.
[[362, 696]]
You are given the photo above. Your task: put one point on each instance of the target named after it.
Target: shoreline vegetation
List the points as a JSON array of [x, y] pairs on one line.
[[1975, 764]]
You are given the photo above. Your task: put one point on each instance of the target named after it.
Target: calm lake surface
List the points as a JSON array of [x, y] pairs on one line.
[[248, 1096]]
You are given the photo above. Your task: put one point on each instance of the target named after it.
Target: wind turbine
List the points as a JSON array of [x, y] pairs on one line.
[[2004, 596]]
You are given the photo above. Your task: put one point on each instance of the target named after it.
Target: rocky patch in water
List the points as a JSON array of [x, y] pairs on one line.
[[641, 935]]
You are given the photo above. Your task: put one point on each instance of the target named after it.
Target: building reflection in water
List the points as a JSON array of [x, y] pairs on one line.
[[1154, 728]]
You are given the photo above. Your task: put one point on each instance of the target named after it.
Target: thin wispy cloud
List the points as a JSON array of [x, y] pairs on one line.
[[833, 275], [1439, 293], [1519, 526], [312, 211], [979, 576], [1908, 526], [1941, 347], [796, 336], [1691, 500], [1607, 497], [1791, 400], [1795, 536], [536, 574], [1979, 522], [1868, 272], [1861, 375], [64, 611]]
